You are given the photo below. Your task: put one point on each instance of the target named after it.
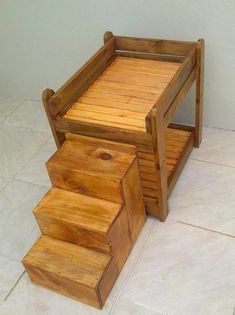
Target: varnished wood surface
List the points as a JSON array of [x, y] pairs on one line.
[[124, 93], [93, 160], [80, 210], [71, 270], [176, 141]]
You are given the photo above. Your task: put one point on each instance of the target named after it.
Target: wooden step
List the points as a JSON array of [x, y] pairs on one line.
[[93, 223], [101, 169], [71, 270]]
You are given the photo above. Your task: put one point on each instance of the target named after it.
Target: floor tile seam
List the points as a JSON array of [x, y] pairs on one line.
[[205, 229], [13, 287], [21, 102], [27, 182], [135, 262], [130, 271], [28, 161], [211, 162]]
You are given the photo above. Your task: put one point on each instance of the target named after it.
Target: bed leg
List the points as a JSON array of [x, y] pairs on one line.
[[199, 91], [58, 136], [158, 139]]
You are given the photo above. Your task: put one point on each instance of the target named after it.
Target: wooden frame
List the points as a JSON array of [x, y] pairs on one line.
[[190, 56]]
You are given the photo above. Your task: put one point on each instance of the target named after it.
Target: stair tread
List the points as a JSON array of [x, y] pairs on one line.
[[69, 261], [93, 159], [80, 210]]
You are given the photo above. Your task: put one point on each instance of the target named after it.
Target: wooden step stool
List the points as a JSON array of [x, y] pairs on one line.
[[89, 219], [129, 92]]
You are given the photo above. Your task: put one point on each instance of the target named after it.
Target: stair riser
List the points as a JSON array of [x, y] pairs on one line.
[[92, 296], [73, 234], [85, 184], [117, 241]]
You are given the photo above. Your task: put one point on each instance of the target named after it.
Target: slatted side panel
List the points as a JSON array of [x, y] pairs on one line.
[[124, 93], [176, 140]]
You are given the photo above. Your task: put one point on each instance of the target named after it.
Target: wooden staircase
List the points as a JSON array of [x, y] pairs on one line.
[[89, 219]]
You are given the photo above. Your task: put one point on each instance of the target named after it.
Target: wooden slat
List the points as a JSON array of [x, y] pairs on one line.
[[99, 120], [151, 56], [180, 162], [127, 86], [140, 108], [102, 96], [156, 46], [139, 72], [153, 65], [143, 80], [105, 110]]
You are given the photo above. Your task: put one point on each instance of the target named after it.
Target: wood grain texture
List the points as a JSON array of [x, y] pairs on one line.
[[72, 270], [119, 91], [89, 222], [143, 75], [58, 136], [156, 46], [76, 218], [133, 200]]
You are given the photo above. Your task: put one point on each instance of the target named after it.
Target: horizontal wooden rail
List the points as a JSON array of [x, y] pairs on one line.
[[82, 79], [100, 131], [179, 97], [172, 89], [152, 56], [156, 46]]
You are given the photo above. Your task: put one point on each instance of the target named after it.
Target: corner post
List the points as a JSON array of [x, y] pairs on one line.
[[58, 136], [199, 91], [159, 150], [107, 36]]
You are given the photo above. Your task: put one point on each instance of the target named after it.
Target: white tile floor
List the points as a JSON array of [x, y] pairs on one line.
[[185, 266]]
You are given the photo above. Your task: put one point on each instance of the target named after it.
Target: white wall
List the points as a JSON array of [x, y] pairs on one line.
[[44, 42]]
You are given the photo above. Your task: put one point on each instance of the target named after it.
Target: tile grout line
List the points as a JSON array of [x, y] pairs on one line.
[[14, 286], [21, 102], [129, 273], [30, 183], [206, 229], [211, 162], [44, 143]]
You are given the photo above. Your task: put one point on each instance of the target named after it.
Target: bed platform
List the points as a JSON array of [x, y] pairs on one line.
[[128, 92]]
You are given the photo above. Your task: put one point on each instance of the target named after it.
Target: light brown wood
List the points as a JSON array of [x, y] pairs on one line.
[[145, 74], [133, 198], [86, 240], [107, 36], [72, 270], [77, 218], [98, 171], [137, 81], [89, 222], [159, 149], [58, 136], [199, 91], [156, 46], [165, 100]]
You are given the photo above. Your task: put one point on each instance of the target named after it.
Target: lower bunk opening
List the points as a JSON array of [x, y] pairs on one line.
[[179, 143]]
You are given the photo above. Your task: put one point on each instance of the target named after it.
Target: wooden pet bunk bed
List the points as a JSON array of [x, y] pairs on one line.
[[128, 92]]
